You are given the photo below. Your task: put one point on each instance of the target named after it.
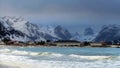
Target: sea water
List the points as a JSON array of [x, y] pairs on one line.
[[56, 57]]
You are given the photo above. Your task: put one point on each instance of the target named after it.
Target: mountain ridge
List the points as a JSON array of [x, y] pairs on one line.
[[34, 32]]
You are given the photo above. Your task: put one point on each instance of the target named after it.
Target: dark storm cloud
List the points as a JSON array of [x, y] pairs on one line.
[[77, 11], [77, 14], [102, 6], [95, 6]]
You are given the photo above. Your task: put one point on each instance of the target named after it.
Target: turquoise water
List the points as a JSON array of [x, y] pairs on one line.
[[65, 57], [78, 51]]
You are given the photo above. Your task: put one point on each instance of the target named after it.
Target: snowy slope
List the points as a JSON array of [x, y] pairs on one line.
[[20, 24], [7, 31], [55, 33], [48, 30]]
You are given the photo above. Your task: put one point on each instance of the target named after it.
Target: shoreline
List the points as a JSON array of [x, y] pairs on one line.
[[111, 46]]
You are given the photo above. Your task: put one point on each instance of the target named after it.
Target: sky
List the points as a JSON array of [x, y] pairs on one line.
[[74, 15]]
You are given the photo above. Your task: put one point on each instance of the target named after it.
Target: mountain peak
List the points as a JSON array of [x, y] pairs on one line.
[[58, 27], [14, 19], [64, 34]]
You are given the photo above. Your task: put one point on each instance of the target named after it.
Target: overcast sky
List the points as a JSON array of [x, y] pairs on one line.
[[76, 14]]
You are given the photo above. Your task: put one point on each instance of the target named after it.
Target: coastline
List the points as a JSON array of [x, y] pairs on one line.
[[110, 46]]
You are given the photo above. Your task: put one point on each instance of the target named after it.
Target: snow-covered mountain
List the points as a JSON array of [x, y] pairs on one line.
[[88, 35], [26, 27], [6, 31], [34, 32], [55, 33], [62, 33], [17, 28], [109, 33], [48, 33]]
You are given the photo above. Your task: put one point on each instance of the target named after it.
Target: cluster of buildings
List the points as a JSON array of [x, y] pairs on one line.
[[60, 43]]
